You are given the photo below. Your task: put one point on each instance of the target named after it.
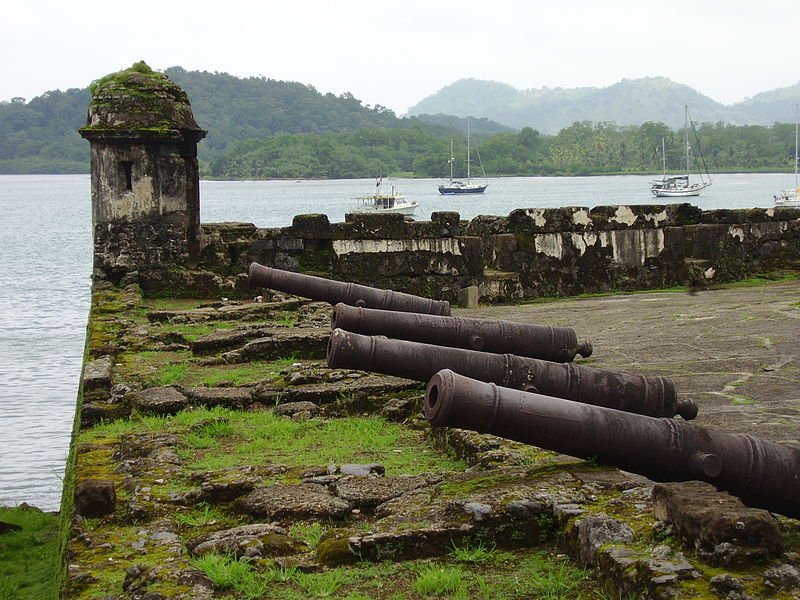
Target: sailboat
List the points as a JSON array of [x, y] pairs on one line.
[[791, 197], [679, 186], [463, 187]]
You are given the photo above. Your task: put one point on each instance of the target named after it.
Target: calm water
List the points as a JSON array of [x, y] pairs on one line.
[[45, 268]]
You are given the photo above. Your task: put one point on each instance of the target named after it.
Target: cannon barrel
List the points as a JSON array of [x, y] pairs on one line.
[[332, 291], [761, 473], [557, 344], [653, 396]]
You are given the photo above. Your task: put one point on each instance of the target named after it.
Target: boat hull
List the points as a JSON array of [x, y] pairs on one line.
[[679, 190], [676, 193], [406, 210], [473, 189], [787, 200]]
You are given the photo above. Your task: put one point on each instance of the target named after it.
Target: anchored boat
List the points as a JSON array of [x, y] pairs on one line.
[[680, 186], [454, 186], [380, 202], [791, 197]]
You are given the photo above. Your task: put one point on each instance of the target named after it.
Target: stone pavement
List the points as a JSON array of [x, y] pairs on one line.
[[734, 351]]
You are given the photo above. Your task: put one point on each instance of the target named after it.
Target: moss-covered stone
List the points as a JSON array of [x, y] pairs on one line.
[[139, 99]]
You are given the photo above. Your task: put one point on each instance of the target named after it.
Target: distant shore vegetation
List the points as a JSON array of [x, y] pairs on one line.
[[265, 129]]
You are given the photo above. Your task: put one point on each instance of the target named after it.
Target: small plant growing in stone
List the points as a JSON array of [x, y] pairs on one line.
[[322, 585], [543, 577], [436, 580], [229, 573], [170, 374], [478, 553], [308, 533], [204, 515]]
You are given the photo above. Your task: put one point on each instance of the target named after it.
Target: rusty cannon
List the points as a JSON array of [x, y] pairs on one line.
[[654, 396], [557, 344], [761, 473], [332, 291]]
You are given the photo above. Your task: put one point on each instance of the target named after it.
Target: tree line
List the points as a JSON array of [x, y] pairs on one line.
[[581, 149]]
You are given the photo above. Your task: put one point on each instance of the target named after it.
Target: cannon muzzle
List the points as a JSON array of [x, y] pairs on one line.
[[761, 473], [332, 291], [557, 344], [655, 396]]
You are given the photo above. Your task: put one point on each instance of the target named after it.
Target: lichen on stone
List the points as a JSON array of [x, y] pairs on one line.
[[139, 99]]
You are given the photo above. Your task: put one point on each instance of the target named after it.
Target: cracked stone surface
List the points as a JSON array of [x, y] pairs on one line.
[[733, 351]]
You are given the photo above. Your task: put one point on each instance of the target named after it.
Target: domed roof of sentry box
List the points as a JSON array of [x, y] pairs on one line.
[[139, 102]]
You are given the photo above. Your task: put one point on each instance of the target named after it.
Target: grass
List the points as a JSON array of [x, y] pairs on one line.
[[549, 578], [527, 574], [310, 533], [217, 438], [29, 557], [155, 369], [479, 554], [438, 580], [265, 437], [201, 516]]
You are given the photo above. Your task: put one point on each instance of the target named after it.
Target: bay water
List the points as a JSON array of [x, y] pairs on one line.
[[46, 262]]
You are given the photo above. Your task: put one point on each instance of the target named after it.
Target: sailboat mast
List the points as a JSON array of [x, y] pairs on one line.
[[796, 158], [686, 136], [467, 149], [452, 158]]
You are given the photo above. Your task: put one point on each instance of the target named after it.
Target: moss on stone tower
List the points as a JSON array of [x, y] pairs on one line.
[[139, 99]]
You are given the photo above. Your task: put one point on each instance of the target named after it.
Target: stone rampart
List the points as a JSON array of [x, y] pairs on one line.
[[528, 254]]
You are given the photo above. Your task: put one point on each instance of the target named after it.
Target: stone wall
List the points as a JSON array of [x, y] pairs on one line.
[[528, 254]]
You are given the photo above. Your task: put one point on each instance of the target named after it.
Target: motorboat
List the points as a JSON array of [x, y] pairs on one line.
[[382, 202]]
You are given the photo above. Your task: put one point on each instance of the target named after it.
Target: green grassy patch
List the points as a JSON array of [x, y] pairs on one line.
[[159, 368], [527, 574], [766, 278], [29, 561], [217, 438], [263, 437], [191, 331]]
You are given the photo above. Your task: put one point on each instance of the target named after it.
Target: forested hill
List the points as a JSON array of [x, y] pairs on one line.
[[261, 128], [628, 102], [40, 136]]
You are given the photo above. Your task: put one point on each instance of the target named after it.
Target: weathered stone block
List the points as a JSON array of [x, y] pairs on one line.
[[97, 377], [158, 401], [595, 531], [302, 501], [717, 524], [95, 497], [468, 297]]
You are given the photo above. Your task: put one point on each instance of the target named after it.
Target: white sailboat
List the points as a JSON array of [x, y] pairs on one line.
[[679, 186], [791, 196], [463, 187]]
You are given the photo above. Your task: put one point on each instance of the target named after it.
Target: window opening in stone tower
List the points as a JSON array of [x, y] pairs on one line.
[[127, 170]]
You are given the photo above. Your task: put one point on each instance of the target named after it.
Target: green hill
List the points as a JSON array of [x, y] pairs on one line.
[[40, 136], [628, 102]]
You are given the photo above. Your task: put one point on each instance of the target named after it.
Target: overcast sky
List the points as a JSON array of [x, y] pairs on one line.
[[395, 53]]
